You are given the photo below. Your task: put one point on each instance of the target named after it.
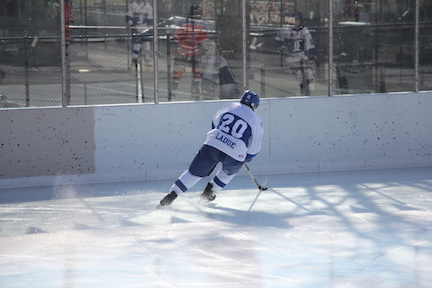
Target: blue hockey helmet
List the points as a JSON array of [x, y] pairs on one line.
[[195, 11], [298, 15], [250, 99]]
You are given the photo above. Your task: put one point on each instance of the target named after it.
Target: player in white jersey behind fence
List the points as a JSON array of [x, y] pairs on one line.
[[140, 18], [235, 138], [297, 44]]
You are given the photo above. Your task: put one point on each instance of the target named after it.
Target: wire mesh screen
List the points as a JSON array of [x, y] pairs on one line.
[[357, 78], [303, 78], [368, 56], [100, 71]]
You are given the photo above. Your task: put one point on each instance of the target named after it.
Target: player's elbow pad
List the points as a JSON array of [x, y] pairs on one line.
[[249, 157]]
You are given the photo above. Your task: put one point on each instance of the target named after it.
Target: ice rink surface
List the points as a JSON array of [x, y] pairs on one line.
[[370, 228]]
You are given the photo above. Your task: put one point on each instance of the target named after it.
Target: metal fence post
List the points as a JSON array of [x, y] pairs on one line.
[[416, 47], [26, 71], [168, 44], [244, 45], [263, 70], [65, 97], [155, 52], [330, 53]]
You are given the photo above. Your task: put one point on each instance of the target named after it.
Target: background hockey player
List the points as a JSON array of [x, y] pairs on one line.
[[140, 18], [298, 44], [68, 16], [235, 138], [216, 74], [186, 41]]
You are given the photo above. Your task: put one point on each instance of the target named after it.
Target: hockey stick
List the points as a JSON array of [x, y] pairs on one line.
[[260, 187]]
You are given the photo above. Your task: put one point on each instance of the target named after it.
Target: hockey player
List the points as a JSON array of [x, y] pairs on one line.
[[216, 73], [186, 41], [68, 18], [140, 18], [235, 137], [298, 43]]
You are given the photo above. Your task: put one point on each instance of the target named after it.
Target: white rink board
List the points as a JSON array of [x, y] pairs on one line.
[[158, 141]]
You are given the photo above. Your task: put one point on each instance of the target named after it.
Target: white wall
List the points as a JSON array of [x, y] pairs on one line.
[[349, 132], [310, 134], [46, 141]]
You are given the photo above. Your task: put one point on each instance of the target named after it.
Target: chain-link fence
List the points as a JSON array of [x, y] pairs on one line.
[[367, 58]]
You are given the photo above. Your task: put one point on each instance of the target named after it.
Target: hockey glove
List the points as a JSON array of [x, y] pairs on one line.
[[283, 49], [249, 157]]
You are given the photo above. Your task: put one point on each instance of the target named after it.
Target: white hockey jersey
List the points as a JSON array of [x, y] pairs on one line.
[[298, 41], [140, 15], [237, 131]]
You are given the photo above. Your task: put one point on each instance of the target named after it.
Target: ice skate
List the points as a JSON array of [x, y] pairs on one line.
[[148, 64], [135, 63], [208, 195], [167, 200]]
